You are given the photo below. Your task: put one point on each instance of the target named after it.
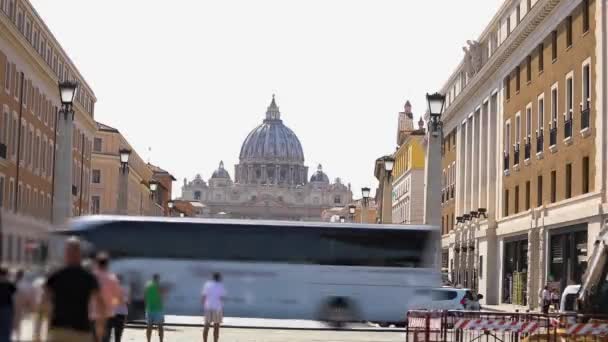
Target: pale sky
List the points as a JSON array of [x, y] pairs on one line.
[[190, 79]]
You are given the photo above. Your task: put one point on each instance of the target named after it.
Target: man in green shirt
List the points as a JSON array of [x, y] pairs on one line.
[[154, 307]]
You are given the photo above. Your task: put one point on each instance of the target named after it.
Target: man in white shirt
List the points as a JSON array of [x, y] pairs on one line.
[[212, 296]]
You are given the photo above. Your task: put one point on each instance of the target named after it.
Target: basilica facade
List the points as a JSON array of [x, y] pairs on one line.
[[270, 181]]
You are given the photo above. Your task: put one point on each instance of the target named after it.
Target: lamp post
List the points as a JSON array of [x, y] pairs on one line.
[[123, 181], [432, 176], [170, 205], [387, 189], [365, 197], [62, 166], [351, 211], [342, 219]]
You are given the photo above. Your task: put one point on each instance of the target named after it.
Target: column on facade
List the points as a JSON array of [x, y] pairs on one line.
[[532, 280], [492, 153], [291, 175], [277, 174], [249, 173], [483, 156], [542, 243], [475, 156], [264, 174], [469, 165], [461, 168]]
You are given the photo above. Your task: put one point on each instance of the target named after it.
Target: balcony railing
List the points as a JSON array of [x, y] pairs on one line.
[[585, 113], [539, 140], [506, 161], [553, 136], [527, 148], [2, 151], [567, 126], [516, 154]]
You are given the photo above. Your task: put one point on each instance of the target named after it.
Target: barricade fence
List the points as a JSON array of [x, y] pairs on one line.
[[483, 326]]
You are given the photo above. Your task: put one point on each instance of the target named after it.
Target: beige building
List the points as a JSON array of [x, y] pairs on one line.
[[105, 175], [525, 150], [33, 182]]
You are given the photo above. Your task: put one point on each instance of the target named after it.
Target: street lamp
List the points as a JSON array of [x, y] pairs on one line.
[[365, 193], [352, 209], [170, 205], [435, 108], [153, 186], [125, 153], [342, 219], [67, 90]]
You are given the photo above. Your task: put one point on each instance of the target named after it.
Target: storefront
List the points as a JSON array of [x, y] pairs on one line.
[[515, 270], [567, 256]]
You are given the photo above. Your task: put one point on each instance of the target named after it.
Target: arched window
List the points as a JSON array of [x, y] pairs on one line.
[[197, 195]]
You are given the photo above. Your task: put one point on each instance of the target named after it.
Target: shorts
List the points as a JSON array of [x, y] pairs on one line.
[[155, 318], [214, 316]]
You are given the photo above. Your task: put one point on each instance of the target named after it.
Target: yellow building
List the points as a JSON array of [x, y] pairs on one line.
[[408, 172], [106, 172]]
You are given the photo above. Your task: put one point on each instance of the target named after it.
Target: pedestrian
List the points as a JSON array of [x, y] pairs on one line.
[[212, 296], [7, 294], [111, 293], [67, 294], [545, 297], [24, 301], [38, 291], [154, 308], [555, 299], [121, 312]]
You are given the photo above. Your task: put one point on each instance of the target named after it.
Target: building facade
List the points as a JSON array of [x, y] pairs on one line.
[[105, 182], [527, 108], [271, 179], [408, 173]]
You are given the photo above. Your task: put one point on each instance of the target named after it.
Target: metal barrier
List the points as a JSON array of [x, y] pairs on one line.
[[471, 326]]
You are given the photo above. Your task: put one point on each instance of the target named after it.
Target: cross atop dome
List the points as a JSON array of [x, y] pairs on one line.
[[272, 113]]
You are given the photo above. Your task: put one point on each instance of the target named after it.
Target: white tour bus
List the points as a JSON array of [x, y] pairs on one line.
[[271, 269]]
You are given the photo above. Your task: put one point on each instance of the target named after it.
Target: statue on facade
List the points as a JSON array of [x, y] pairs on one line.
[[472, 57]]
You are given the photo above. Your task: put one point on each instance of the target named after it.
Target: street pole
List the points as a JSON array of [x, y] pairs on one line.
[[123, 182], [432, 179]]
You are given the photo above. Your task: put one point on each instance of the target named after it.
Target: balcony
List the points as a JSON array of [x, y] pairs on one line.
[[568, 129], [553, 138], [516, 155], [540, 141], [2, 151], [585, 118], [527, 149]]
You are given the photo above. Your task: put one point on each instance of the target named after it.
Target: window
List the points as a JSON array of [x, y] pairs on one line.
[[585, 16], [508, 87], [568, 182], [569, 31], [527, 195], [554, 45], [506, 204], [528, 6], [569, 97], [586, 101], [481, 266], [95, 205], [517, 79], [553, 186], [541, 57], [528, 121], [518, 14], [516, 207], [198, 195], [1, 192], [508, 26], [96, 176], [541, 112], [337, 199], [507, 138], [554, 107], [11, 194], [529, 69], [517, 128], [585, 175], [539, 191], [7, 77]]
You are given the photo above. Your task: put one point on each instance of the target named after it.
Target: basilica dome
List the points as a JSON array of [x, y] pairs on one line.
[[220, 172], [272, 141]]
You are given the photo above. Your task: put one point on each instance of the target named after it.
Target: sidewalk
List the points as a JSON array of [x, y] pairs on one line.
[[506, 308]]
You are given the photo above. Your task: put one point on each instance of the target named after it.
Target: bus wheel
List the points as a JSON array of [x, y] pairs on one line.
[[338, 311]]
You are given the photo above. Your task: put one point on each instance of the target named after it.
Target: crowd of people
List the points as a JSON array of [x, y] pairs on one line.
[[85, 301]]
